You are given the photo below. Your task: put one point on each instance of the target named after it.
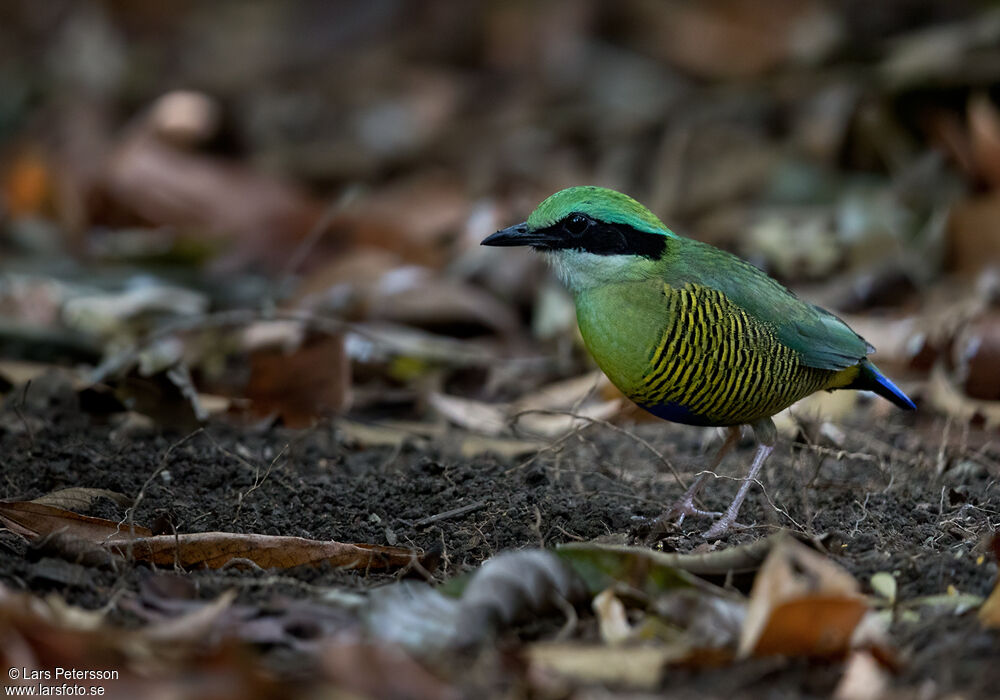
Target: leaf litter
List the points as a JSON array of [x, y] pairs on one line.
[[405, 478]]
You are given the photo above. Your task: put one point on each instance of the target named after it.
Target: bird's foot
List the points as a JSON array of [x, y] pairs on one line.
[[726, 522], [675, 515], [721, 527]]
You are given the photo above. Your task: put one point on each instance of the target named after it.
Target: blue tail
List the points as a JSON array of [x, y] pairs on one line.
[[873, 380]]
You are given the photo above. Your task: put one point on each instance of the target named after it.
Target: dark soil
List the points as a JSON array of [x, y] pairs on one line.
[[903, 495]]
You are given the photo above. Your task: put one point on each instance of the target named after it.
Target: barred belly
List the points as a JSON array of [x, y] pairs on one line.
[[714, 364]]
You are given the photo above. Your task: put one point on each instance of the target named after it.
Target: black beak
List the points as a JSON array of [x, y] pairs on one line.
[[519, 235]]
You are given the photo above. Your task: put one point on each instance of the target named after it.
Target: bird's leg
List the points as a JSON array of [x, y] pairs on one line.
[[766, 435], [685, 506]]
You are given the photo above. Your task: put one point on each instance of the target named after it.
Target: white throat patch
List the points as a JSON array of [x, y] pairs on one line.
[[580, 270]]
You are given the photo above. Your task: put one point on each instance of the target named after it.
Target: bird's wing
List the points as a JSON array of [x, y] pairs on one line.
[[822, 340]]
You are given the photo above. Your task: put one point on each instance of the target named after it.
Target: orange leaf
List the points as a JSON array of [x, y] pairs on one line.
[[811, 626], [27, 185]]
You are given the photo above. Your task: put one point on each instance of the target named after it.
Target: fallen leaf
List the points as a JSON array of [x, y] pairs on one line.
[[612, 620], [36, 521], [945, 396], [801, 604], [989, 613], [811, 625], [984, 137], [387, 434], [885, 585], [26, 186], [480, 417], [602, 566], [864, 678], [78, 498], [737, 38], [213, 550], [620, 561], [303, 385], [467, 611], [974, 235], [640, 667], [976, 357], [193, 626], [167, 186], [379, 670], [475, 446]]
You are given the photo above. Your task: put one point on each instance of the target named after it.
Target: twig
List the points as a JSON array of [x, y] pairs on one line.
[[317, 231], [618, 429], [453, 513], [129, 519], [17, 410]]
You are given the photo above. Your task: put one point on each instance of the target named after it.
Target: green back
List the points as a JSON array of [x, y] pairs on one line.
[[822, 340]]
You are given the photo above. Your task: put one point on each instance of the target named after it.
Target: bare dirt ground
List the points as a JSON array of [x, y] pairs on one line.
[[909, 496]]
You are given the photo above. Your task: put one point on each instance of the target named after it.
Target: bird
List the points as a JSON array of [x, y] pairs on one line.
[[689, 332]]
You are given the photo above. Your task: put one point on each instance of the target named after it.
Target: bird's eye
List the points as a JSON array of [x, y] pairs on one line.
[[577, 224]]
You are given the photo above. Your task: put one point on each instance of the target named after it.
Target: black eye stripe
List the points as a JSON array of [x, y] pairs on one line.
[[602, 238]]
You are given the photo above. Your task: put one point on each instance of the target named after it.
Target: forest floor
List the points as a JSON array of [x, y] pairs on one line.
[[909, 495]]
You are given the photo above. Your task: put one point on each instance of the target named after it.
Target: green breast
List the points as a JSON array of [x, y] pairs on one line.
[[690, 354]]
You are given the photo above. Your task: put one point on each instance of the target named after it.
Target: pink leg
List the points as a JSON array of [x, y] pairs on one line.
[[766, 435], [685, 506]]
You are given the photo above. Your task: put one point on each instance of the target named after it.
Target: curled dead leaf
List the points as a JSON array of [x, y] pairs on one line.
[[801, 604]]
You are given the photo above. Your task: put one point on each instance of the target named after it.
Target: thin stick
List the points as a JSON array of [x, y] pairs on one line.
[[453, 513]]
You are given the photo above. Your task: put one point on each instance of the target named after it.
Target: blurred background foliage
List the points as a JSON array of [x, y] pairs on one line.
[[161, 163]]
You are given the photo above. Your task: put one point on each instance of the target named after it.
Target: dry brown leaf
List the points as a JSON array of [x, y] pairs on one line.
[[984, 137], [301, 386], [976, 357], [974, 235], [801, 604], [368, 670], [639, 667], [27, 185], [192, 626], [612, 620], [554, 424], [78, 498], [478, 416], [476, 446], [387, 434], [35, 521], [565, 394], [737, 38], [814, 625], [213, 550], [424, 301], [989, 613], [45, 634], [864, 678], [19, 373], [171, 187], [414, 218], [945, 396]]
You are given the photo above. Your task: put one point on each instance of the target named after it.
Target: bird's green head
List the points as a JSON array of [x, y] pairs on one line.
[[591, 235]]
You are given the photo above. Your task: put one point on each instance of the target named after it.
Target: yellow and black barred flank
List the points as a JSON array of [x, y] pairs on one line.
[[715, 364]]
